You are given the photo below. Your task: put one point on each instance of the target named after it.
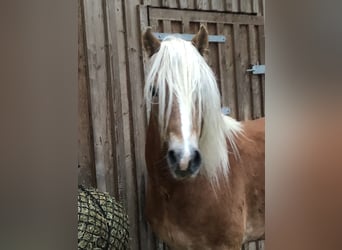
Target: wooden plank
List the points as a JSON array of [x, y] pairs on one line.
[[261, 7], [236, 5], [177, 27], [86, 174], [261, 245], [246, 6], [204, 16], [184, 4], [244, 89], [217, 5], [94, 28], [261, 49], [156, 3], [237, 62], [255, 7], [191, 4], [228, 86], [222, 63], [110, 116], [121, 122], [250, 246], [170, 3], [238, 72], [186, 26], [166, 26], [213, 52], [202, 5], [228, 5], [138, 112], [255, 79], [146, 2]]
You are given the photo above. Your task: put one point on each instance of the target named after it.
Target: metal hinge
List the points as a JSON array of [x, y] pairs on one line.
[[257, 69], [188, 37]]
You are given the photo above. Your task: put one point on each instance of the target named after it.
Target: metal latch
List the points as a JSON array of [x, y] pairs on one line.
[[188, 37], [225, 110], [257, 69]]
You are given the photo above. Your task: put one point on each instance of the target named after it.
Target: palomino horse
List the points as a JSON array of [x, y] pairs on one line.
[[205, 170]]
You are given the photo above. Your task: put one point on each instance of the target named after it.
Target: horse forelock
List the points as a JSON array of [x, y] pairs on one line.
[[177, 70]]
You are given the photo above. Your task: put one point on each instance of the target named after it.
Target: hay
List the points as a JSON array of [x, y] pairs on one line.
[[102, 222]]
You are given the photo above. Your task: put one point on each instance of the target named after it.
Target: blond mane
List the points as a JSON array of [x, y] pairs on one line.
[[177, 70]]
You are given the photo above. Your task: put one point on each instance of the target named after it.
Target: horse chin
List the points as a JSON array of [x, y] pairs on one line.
[[183, 175]]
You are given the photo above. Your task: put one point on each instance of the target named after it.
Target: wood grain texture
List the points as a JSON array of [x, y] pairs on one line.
[[243, 86], [227, 65], [228, 5], [86, 175], [138, 113], [94, 28], [255, 79], [261, 36]]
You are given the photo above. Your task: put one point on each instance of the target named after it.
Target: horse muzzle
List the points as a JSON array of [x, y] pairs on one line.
[[184, 165]]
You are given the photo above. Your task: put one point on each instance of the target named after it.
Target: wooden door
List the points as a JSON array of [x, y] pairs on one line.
[[244, 46]]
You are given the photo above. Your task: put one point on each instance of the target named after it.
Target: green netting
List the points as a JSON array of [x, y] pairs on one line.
[[102, 222]]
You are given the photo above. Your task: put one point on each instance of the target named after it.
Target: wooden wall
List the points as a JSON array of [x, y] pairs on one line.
[[112, 118]]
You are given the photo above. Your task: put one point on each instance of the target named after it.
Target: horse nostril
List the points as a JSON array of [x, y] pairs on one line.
[[197, 158], [171, 154], [195, 162]]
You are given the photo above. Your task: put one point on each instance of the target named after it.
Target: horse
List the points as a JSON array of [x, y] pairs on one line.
[[206, 174]]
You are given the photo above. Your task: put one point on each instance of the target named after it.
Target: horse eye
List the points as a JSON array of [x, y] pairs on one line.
[[154, 91]]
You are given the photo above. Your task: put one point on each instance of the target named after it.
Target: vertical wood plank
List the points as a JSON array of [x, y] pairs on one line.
[[250, 246], [121, 124], [222, 63], [155, 25], [146, 2], [255, 7], [244, 89], [213, 53], [228, 5], [261, 7], [174, 4], [167, 26], [110, 117], [202, 4], [138, 113], [86, 174], [184, 4], [177, 27], [217, 5], [261, 245], [235, 5], [99, 94], [246, 6], [238, 73], [165, 3], [261, 36], [228, 70], [191, 4], [156, 3], [255, 82]]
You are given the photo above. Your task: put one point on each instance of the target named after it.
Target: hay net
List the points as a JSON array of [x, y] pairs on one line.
[[102, 222]]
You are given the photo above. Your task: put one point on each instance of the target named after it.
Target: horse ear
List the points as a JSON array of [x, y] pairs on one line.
[[151, 43], [200, 40]]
